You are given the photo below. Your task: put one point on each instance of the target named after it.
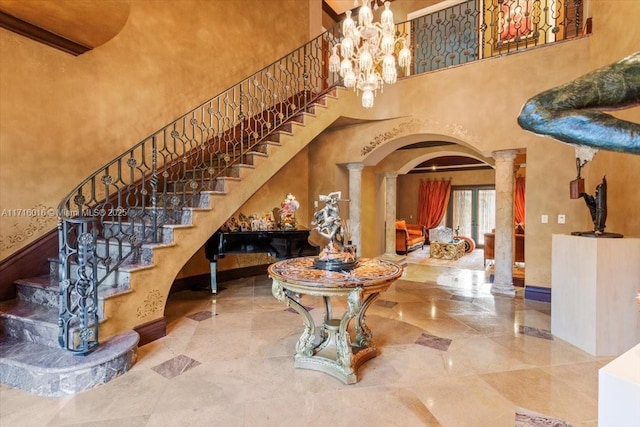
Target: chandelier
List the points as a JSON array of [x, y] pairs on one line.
[[367, 52]]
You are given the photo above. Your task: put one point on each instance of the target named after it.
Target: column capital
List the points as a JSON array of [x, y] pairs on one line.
[[391, 175], [355, 166], [504, 154]]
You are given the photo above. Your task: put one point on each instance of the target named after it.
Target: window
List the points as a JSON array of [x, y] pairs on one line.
[[472, 210]]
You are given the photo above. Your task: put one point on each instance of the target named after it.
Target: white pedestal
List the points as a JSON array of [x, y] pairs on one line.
[[619, 391], [594, 283]]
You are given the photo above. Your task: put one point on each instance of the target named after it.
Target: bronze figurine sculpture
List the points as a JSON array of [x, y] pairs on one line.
[[338, 254], [598, 208]]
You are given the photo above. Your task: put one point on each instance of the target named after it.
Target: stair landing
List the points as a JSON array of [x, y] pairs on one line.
[[49, 371], [30, 357]]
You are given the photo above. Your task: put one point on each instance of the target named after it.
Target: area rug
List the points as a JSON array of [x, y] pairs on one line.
[[527, 418], [470, 261]]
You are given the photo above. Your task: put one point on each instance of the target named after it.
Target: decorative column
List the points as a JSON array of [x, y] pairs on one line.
[[503, 275], [355, 204], [391, 179]]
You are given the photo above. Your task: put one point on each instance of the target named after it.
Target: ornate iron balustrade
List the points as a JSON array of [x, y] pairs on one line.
[[477, 29], [106, 220]]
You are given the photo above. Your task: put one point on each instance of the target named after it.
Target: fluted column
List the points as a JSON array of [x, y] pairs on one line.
[[503, 275], [391, 179], [355, 204]]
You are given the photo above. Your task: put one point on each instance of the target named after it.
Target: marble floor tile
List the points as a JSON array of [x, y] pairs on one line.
[[134, 394], [544, 393], [479, 354], [202, 416], [434, 342], [225, 322], [535, 332], [18, 408], [465, 401], [385, 303], [292, 310], [176, 366], [486, 357], [201, 315], [525, 418]]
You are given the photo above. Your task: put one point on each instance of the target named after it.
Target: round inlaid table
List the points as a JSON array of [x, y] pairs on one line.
[[328, 348]]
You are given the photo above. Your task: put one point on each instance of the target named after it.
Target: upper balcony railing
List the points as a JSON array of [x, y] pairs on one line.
[[478, 29], [108, 217]]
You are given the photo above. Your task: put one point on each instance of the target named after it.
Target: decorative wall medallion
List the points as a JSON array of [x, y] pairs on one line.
[[153, 303]]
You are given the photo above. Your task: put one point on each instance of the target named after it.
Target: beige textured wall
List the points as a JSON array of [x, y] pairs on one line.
[[80, 112], [62, 117]]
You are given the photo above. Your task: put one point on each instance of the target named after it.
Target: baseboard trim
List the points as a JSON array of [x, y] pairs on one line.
[[151, 331], [517, 281], [239, 273], [537, 293]]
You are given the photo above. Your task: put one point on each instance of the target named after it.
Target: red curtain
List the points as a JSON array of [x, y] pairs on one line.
[[519, 202], [433, 198]]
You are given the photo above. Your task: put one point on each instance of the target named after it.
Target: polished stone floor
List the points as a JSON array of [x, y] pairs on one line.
[[451, 354]]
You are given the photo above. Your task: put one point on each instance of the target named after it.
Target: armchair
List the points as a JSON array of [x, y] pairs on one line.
[[409, 237]]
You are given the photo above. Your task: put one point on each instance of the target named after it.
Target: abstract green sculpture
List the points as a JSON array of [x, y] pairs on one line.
[[573, 112]]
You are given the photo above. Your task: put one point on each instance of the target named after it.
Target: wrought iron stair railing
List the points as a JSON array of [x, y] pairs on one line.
[[105, 220]]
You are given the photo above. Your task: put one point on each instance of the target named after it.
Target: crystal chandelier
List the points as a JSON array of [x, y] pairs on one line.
[[367, 52]]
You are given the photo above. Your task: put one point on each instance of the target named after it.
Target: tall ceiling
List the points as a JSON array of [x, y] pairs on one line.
[[435, 165], [102, 20]]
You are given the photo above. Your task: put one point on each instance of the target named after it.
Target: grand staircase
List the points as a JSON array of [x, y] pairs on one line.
[[128, 229], [31, 357]]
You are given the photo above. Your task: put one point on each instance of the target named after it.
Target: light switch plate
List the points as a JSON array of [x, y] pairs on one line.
[[544, 219], [561, 219]]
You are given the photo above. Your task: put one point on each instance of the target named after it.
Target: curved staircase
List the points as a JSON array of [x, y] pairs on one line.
[[31, 357]]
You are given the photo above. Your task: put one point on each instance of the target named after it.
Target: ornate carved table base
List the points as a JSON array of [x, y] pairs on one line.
[[447, 250], [328, 348]]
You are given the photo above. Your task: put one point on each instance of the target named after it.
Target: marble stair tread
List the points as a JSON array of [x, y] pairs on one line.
[[29, 311], [51, 371], [29, 321], [43, 282], [38, 290]]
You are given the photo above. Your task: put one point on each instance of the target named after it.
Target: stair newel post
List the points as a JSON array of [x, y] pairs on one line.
[[78, 309], [154, 190]]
